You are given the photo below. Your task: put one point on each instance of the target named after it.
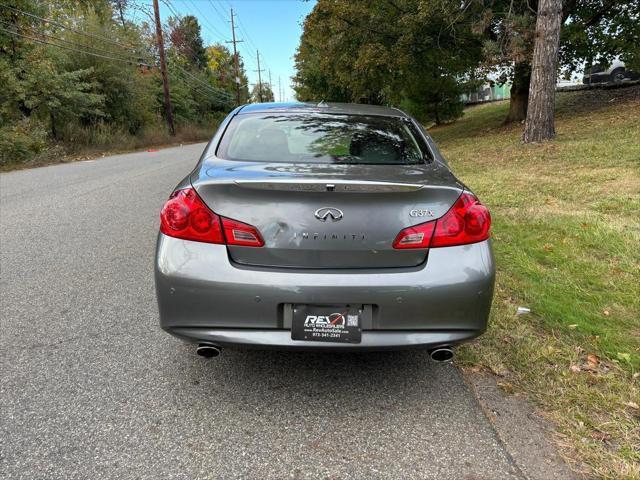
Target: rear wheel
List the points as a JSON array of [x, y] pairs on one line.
[[617, 76]]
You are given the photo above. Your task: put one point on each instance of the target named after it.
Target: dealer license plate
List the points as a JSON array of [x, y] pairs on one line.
[[327, 323]]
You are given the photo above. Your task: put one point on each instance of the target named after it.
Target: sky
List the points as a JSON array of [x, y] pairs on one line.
[[271, 26]]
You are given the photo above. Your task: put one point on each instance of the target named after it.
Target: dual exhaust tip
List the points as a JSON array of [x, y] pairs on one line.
[[439, 355], [208, 351]]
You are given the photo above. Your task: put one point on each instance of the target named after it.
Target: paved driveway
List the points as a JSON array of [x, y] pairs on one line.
[[91, 388]]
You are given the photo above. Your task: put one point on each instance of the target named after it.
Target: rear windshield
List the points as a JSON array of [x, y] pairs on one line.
[[322, 138]]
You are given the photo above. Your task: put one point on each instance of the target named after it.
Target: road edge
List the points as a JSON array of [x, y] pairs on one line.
[[526, 437]]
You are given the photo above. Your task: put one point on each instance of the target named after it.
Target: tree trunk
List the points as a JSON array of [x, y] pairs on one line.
[[54, 130], [124, 25], [539, 125], [519, 93]]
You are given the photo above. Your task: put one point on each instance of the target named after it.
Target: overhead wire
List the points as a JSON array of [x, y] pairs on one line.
[[221, 15], [216, 93], [44, 42], [214, 90], [67, 27], [206, 19], [115, 56], [34, 31]]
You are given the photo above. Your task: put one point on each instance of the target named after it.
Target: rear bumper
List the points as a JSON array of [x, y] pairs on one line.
[[281, 339], [204, 297]]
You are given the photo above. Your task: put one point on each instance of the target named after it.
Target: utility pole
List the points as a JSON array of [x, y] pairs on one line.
[[163, 70], [279, 89], [235, 56], [259, 77]]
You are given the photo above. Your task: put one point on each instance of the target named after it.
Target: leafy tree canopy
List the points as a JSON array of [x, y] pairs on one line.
[[262, 93], [417, 53]]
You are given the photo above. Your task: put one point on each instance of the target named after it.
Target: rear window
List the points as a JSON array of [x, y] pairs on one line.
[[322, 138]]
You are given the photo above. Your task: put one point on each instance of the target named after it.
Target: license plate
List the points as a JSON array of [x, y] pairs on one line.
[[327, 323]]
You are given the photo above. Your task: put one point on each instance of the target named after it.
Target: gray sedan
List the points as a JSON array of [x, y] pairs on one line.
[[323, 226]]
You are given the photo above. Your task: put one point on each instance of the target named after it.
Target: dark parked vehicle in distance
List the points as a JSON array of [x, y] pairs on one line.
[[323, 226]]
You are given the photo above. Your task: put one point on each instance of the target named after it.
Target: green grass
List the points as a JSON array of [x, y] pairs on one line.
[[566, 227]]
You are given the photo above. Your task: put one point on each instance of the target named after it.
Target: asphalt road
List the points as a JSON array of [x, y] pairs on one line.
[[92, 388]]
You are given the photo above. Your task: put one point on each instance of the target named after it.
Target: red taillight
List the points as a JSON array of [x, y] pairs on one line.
[[468, 221], [186, 216]]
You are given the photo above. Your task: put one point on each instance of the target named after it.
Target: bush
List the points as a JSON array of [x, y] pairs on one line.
[[21, 141]]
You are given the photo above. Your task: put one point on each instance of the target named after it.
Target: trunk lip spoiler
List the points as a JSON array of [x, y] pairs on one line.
[[338, 185]]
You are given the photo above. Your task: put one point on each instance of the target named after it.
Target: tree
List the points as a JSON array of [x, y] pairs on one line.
[[539, 125], [414, 53], [86, 77], [38, 85], [120, 6], [222, 68], [591, 31], [508, 28], [186, 40], [262, 93]]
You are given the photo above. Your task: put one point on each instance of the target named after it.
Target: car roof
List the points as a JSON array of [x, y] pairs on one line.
[[322, 107]]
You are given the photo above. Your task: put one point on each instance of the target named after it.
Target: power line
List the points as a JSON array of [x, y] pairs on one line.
[[61, 25], [216, 93], [204, 17], [246, 33], [203, 91], [170, 7], [73, 44], [211, 89], [43, 42], [214, 90], [251, 45], [221, 15]]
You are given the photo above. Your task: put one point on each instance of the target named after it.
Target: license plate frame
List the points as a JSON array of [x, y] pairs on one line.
[[327, 323]]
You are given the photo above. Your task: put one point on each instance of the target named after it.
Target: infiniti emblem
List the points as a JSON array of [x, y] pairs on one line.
[[328, 212]]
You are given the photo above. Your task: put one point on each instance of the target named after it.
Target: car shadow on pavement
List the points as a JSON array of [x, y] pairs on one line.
[[279, 414], [355, 379]]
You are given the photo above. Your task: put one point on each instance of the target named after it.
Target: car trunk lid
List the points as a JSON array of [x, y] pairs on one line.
[[326, 216]]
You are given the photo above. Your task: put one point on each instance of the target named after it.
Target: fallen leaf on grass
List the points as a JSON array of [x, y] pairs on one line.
[[506, 386], [598, 435], [633, 405], [573, 325], [593, 360], [500, 370], [624, 356]]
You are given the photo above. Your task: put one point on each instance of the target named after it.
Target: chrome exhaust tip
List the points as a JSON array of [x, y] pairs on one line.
[[441, 355], [208, 351]]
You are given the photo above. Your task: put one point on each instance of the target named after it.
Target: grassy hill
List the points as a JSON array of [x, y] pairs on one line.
[[566, 218]]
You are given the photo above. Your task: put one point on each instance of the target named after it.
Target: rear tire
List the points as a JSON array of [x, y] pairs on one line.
[[618, 75]]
